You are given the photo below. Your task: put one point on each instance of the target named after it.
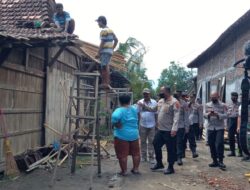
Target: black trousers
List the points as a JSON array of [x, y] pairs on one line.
[[232, 132], [190, 137], [180, 142], [200, 133], [216, 144], [164, 138], [196, 131]]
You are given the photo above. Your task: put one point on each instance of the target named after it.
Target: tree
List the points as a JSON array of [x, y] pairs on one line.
[[139, 81], [134, 52], [176, 77]]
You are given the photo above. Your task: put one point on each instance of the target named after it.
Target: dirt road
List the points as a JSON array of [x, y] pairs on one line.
[[193, 175]]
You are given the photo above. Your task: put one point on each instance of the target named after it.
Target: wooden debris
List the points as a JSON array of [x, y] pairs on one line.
[[46, 159]]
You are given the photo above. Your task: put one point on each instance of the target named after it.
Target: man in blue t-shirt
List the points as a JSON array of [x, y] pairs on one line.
[[63, 20]]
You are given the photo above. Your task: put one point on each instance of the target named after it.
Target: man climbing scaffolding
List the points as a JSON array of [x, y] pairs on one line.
[[107, 46]]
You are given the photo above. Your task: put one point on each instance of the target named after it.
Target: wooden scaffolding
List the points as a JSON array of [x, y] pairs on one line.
[[81, 125]]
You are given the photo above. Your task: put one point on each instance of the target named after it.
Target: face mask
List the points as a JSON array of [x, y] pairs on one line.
[[161, 95], [214, 101], [234, 99]]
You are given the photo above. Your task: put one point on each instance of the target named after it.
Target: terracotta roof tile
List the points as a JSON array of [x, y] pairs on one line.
[[14, 13]]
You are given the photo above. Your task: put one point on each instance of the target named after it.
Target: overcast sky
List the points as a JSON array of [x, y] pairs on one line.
[[172, 30]]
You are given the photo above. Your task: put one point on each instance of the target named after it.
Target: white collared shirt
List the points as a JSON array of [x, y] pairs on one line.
[[147, 119]]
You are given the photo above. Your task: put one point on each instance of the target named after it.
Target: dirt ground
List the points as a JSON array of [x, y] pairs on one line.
[[193, 175]]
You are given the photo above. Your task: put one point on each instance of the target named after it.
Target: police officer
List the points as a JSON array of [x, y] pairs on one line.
[[195, 120], [215, 112], [233, 113], [201, 122], [183, 127], [168, 117]]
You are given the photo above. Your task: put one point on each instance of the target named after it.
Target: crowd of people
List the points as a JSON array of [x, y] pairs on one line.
[[142, 129]]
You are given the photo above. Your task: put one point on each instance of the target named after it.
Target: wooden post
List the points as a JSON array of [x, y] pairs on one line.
[[98, 140], [46, 61], [73, 165], [56, 55]]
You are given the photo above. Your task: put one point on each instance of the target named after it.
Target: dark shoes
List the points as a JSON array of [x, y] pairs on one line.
[[213, 164], [219, 164], [157, 167], [222, 166], [179, 162], [195, 155], [245, 158], [231, 154], [169, 171], [240, 155]]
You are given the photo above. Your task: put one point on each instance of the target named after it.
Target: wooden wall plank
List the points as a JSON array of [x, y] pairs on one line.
[[56, 102], [21, 92]]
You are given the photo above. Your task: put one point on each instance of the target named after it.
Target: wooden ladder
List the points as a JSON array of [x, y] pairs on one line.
[[82, 114]]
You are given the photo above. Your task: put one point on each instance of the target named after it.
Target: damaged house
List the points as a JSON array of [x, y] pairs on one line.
[[36, 69]]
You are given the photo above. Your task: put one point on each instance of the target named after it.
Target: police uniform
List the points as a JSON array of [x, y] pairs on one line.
[[196, 117], [195, 120], [183, 126], [168, 117], [215, 128], [233, 113]]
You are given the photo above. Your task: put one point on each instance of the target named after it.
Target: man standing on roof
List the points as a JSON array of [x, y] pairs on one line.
[[106, 48], [63, 20]]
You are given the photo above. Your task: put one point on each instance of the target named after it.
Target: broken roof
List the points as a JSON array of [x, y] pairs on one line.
[[17, 18], [240, 26]]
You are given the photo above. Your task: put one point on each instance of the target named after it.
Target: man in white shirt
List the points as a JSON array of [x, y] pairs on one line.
[[147, 126]]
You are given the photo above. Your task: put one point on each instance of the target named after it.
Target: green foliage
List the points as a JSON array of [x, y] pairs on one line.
[[139, 81], [176, 77], [134, 52]]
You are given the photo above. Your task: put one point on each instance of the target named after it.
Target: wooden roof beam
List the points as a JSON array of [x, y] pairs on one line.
[[62, 48]]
